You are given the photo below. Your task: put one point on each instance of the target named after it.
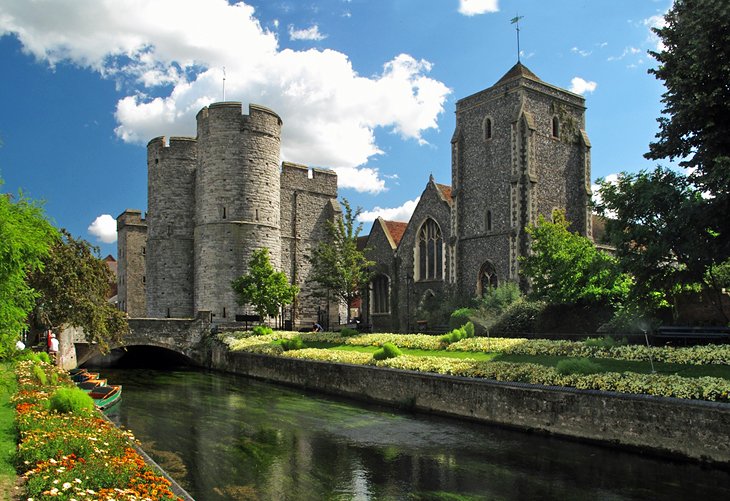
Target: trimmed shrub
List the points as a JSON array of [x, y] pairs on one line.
[[519, 317], [460, 317], [294, 343], [582, 366], [456, 335], [347, 332], [469, 329], [71, 400], [389, 350], [262, 330]]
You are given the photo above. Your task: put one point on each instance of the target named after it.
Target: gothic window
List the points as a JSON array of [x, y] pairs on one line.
[[488, 221], [487, 128], [381, 294], [556, 127], [429, 252], [487, 278]]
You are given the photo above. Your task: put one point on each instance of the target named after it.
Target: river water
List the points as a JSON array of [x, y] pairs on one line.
[[226, 437]]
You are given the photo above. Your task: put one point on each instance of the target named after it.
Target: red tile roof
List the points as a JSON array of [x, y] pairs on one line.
[[445, 191], [396, 230]]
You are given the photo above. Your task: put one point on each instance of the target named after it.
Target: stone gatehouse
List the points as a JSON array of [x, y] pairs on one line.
[[519, 150]]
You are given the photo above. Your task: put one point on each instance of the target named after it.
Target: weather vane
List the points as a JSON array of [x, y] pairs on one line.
[[224, 84], [516, 20]]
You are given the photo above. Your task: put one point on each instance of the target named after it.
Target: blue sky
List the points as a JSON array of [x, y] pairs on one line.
[[367, 87]]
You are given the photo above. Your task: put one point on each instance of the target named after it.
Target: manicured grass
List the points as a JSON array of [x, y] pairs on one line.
[[609, 365], [8, 476]]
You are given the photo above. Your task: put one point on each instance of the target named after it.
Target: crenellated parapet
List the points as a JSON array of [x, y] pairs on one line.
[[302, 178]]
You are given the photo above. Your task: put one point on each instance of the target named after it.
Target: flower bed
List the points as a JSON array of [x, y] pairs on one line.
[[76, 455]]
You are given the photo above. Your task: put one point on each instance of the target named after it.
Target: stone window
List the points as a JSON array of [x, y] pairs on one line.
[[223, 212], [487, 126], [381, 294], [556, 127], [488, 221], [429, 252], [487, 278]]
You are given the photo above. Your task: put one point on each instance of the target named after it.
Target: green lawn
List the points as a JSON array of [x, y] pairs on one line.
[[7, 431], [610, 365]]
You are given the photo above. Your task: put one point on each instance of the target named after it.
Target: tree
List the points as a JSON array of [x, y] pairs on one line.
[[654, 221], [74, 285], [25, 239], [337, 265], [695, 127], [566, 267], [266, 289]]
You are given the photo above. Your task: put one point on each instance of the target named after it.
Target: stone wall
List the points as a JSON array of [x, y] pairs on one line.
[[687, 428], [380, 250], [131, 250], [307, 203]]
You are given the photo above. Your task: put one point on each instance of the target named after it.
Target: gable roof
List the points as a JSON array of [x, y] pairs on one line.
[[445, 190], [395, 229]]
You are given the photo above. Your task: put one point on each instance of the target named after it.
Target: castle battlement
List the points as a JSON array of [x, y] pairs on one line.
[[229, 116], [130, 217], [302, 178]]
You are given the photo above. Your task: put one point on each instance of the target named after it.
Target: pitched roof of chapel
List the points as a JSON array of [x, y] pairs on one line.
[[445, 190], [518, 70], [396, 229]]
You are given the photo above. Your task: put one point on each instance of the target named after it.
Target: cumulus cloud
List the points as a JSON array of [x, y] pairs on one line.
[[580, 52], [475, 7], [362, 179], [171, 69], [402, 213], [311, 33], [104, 228], [580, 86]]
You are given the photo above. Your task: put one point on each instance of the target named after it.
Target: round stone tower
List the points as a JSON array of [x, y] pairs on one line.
[[168, 255], [237, 200]]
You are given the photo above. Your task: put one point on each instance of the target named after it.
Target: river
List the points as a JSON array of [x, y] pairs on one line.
[[225, 437]]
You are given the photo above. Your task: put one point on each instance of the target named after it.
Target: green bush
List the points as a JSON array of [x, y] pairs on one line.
[[347, 332], [389, 350], [294, 343], [39, 374], [71, 400], [520, 317], [496, 300], [456, 335], [460, 317], [262, 330], [469, 329], [605, 342], [581, 366], [44, 357]]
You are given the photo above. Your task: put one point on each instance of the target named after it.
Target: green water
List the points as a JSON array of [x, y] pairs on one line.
[[229, 437]]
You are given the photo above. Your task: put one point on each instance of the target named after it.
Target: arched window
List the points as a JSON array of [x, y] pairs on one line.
[[488, 221], [487, 277], [556, 127], [488, 128], [381, 294], [429, 252]]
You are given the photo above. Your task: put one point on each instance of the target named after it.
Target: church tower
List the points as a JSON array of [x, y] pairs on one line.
[[519, 151]]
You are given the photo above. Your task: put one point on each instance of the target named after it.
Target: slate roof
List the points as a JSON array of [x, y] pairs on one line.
[[518, 70]]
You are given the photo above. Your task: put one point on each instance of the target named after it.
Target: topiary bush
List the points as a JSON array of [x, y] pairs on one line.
[[582, 366], [456, 335], [460, 317], [262, 330], [389, 350], [348, 331], [71, 400], [519, 318], [294, 343]]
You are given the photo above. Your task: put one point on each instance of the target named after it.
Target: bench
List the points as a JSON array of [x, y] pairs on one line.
[[696, 333]]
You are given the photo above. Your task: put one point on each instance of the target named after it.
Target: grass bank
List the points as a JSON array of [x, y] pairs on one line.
[[8, 436]]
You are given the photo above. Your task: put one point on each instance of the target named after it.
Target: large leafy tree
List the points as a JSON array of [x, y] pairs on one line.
[[337, 265], [566, 267], [694, 128], [266, 289], [74, 285], [25, 239]]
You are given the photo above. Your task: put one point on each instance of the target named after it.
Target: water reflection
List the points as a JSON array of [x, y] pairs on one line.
[[228, 437]]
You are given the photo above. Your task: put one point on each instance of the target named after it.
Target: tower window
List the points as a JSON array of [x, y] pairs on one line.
[[224, 312], [224, 212], [488, 221], [556, 127], [487, 278], [487, 128]]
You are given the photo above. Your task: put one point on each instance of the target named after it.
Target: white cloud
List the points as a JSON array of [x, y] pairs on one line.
[[474, 7], [580, 86], [173, 69], [311, 33], [104, 228], [580, 52], [402, 213], [362, 179], [626, 52], [656, 21], [610, 179]]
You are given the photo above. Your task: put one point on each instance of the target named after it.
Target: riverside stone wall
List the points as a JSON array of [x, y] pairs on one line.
[[687, 428]]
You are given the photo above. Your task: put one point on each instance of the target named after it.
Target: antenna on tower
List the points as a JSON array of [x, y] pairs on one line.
[[516, 20], [224, 84]]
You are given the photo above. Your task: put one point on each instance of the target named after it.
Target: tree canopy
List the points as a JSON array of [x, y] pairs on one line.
[[337, 264], [74, 285], [25, 239], [566, 267], [266, 289]]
